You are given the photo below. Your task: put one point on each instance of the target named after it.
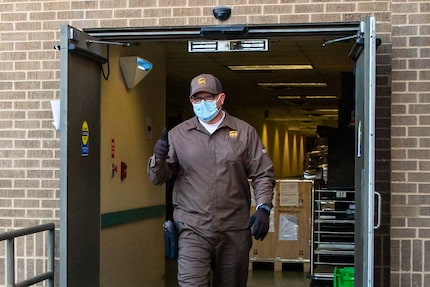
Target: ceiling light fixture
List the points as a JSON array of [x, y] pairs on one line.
[[292, 85], [296, 97], [321, 97], [134, 69], [289, 97], [327, 110], [269, 67]]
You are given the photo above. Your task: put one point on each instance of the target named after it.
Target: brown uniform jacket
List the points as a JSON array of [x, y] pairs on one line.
[[211, 171]]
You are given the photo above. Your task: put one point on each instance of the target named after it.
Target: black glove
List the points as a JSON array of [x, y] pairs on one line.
[[161, 148], [260, 220]]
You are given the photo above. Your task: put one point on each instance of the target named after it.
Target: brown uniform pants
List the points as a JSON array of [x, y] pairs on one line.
[[225, 255]]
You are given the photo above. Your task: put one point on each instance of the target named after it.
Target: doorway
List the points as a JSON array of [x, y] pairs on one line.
[[295, 100]]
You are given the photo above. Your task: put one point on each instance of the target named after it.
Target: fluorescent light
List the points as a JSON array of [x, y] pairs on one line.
[[289, 97], [269, 67], [321, 97], [292, 85], [327, 110], [307, 97]]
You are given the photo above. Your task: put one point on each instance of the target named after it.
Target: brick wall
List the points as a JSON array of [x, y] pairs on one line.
[[410, 141], [382, 150], [29, 155], [29, 79]]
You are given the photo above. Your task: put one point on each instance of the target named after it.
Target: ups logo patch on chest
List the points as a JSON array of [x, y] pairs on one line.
[[232, 134]]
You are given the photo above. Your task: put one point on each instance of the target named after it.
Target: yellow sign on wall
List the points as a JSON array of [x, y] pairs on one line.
[[85, 139]]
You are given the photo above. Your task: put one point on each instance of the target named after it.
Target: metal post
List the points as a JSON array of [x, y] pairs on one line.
[[50, 255], [10, 262]]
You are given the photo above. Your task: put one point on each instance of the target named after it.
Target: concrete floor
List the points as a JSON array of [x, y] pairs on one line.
[[262, 275], [268, 278]]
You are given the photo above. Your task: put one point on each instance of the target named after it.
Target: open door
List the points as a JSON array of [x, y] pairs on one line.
[[364, 54], [79, 160], [80, 175]]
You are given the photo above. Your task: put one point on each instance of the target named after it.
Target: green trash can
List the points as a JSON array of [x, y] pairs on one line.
[[343, 277]]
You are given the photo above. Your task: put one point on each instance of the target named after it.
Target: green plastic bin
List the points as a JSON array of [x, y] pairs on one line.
[[343, 277]]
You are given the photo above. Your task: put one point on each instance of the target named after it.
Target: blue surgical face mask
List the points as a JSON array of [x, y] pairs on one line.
[[206, 110]]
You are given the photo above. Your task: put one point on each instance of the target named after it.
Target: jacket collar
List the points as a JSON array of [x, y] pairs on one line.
[[194, 123]]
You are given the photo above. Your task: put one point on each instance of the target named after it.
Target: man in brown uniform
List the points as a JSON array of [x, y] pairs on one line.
[[212, 156]]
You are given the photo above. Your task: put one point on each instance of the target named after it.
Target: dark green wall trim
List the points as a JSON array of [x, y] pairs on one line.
[[131, 215]]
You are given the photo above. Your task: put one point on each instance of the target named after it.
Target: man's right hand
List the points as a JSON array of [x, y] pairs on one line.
[[161, 148], [260, 219]]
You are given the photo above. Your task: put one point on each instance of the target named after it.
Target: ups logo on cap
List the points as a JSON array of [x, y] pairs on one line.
[[201, 81]]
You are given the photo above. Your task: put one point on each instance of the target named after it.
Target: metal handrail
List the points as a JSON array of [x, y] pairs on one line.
[[10, 236]]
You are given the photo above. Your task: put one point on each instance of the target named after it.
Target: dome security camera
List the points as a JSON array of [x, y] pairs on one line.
[[222, 13]]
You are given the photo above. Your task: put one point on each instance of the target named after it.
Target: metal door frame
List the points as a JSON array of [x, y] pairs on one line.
[[365, 132], [80, 81]]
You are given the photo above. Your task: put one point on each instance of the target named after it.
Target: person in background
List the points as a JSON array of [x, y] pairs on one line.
[[212, 155]]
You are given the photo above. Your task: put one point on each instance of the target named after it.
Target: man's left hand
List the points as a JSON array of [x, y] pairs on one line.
[[260, 220]]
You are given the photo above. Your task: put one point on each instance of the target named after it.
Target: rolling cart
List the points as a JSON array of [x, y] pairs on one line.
[[332, 238]]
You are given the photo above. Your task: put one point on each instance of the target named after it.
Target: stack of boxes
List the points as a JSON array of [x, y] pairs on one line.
[[290, 226]]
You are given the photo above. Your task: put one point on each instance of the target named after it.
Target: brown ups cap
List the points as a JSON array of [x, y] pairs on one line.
[[205, 83]]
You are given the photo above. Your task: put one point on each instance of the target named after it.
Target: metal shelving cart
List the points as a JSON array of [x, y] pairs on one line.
[[332, 239]]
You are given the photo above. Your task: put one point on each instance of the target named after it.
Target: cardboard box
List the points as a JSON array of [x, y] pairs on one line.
[[288, 241]]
